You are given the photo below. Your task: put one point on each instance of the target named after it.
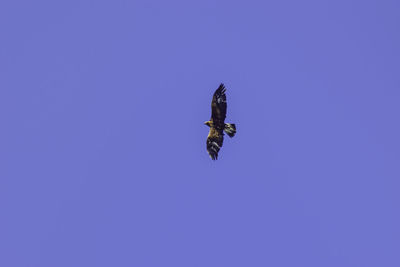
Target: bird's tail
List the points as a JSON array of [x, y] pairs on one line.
[[230, 129]]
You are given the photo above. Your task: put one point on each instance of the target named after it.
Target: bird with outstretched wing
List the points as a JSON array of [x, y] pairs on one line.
[[217, 123]]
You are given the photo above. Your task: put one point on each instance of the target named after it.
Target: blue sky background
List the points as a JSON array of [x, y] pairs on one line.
[[103, 159]]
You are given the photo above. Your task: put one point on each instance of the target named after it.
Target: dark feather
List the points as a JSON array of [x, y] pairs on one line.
[[214, 142], [219, 107]]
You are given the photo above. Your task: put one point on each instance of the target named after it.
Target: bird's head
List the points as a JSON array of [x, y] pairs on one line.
[[208, 123]]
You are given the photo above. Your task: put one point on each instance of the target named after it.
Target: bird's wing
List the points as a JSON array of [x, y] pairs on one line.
[[218, 107], [214, 142]]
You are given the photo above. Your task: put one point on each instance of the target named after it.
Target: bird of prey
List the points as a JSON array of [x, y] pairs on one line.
[[217, 123]]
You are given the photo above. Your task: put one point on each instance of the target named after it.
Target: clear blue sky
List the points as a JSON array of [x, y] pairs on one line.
[[102, 149]]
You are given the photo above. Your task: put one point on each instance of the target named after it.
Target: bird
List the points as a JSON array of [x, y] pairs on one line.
[[217, 123]]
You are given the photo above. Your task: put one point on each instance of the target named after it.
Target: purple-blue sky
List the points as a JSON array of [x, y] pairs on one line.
[[103, 158]]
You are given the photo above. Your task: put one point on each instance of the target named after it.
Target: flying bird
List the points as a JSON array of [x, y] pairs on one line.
[[217, 123]]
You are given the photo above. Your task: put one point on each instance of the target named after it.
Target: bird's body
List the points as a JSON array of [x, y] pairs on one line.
[[217, 123]]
